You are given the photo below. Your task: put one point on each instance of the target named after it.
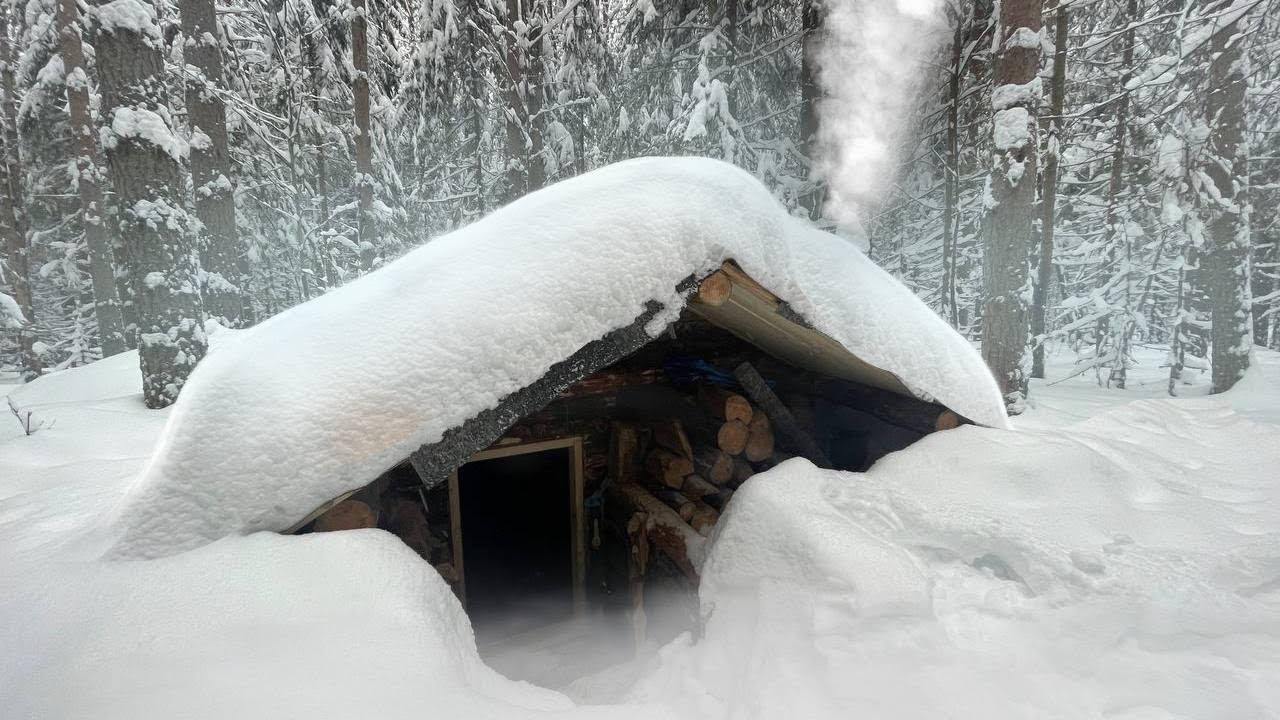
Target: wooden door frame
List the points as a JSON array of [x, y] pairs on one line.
[[577, 532]]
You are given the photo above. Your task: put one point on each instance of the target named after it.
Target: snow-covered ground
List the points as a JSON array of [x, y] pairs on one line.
[[1117, 555]]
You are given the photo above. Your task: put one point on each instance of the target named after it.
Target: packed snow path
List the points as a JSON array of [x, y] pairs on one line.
[[1126, 565]]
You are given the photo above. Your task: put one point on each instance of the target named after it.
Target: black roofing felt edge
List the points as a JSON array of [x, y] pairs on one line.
[[434, 462]]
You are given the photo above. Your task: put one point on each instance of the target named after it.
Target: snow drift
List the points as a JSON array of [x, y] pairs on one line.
[[1126, 566], [322, 398]]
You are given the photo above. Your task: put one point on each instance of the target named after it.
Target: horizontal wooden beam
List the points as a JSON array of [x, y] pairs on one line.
[[731, 299]]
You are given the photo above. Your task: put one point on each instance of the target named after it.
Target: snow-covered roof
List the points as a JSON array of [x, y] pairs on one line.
[[322, 398]]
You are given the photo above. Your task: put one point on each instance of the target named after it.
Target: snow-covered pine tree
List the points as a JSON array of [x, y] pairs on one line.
[[13, 224], [724, 80], [90, 175], [579, 70], [811, 12], [1015, 98], [1264, 182], [290, 156], [445, 108], [365, 232], [523, 85], [145, 159], [951, 167], [223, 260], [60, 267], [1224, 198], [929, 232], [1115, 280], [1052, 126]]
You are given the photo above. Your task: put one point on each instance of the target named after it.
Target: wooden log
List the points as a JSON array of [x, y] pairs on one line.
[[779, 415], [723, 404], [409, 523], [643, 404], [448, 572], [611, 380], [670, 434], [720, 499], [758, 316], [732, 437], [741, 280], [759, 439], [663, 526], [713, 464], [703, 518], [695, 486], [637, 567], [905, 412], [742, 471], [677, 501], [715, 288], [668, 468], [350, 514], [624, 452]]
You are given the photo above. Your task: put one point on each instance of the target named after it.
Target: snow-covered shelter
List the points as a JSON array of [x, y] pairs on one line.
[[580, 376]]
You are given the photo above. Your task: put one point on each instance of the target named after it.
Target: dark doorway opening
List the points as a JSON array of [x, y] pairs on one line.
[[517, 540]]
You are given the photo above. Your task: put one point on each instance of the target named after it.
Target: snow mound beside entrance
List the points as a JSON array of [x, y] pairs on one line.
[[1124, 567], [322, 398]]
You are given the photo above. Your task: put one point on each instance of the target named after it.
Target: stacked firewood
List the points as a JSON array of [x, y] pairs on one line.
[[694, 470], [681, 473], [672, 478]]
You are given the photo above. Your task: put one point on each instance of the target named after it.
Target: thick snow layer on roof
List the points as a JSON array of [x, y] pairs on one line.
[[1122, 566], [322, 398]]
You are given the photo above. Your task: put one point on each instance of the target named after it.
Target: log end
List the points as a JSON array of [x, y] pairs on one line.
[[714, 289], [738, 408], [946, 421], [732, 437]]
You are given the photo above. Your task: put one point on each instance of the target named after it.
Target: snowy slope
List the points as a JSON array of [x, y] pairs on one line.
[[1126, 566], [345, 625], [324, 397], [92, 435], [1122, 566]]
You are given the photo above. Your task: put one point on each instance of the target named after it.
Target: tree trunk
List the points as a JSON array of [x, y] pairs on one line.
[[476, 151], [533, 102], [780, 415], [320, 239], [144, 157], [810, 93], [1177, 350], [84, 141], [1011, 201], [364, 141], [1115, 187], [1049, 191], [951, 178], [1226, 260], [223, 256], [522, 56], [13, 225]]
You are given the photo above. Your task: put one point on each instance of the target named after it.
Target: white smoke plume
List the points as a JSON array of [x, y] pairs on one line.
[[871, 62]]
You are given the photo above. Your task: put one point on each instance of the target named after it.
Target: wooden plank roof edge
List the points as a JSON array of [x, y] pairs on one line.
[[714, 299]]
